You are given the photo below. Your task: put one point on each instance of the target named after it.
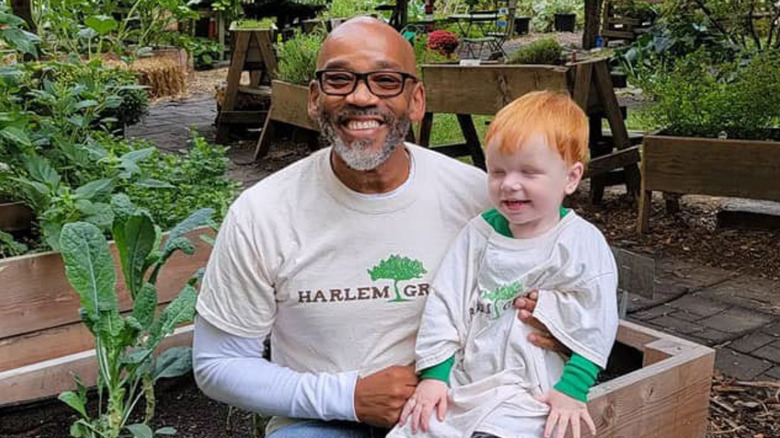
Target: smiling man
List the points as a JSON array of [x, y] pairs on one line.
[[332, 256]]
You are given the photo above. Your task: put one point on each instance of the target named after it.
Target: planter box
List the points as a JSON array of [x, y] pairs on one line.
[[289, 105], [42, 339], [565, 22], [15, 216], [522, 25], [708, 166]]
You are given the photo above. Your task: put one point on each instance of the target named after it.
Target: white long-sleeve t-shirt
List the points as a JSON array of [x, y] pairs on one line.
[[336, 278]]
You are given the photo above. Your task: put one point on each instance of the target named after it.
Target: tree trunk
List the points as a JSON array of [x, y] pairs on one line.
[[23, 9], [592, 23]]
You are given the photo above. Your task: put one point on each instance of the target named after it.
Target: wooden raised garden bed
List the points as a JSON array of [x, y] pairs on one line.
[[15, 216], [708, 166], [42, 339], [289, 103]]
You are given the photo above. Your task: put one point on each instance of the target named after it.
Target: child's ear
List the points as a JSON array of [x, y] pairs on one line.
[[573, 177]]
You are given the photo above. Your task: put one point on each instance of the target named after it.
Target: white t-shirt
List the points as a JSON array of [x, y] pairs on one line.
[[336, 278], [470, 315]]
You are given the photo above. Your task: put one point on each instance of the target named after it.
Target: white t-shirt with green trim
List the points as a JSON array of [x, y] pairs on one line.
[[336, 278]]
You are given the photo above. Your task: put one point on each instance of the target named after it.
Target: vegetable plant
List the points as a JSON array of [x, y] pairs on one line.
[[125, 344]]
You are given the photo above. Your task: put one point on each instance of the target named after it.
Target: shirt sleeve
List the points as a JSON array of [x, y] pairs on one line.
[[439, 372], [232, 369], [579, 375], [445, 316], [237, 293]]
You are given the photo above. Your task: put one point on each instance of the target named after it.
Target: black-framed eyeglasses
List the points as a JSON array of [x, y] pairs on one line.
[[382, 83]]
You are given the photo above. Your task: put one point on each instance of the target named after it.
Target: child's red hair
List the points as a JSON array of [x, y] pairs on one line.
[[549, 113]]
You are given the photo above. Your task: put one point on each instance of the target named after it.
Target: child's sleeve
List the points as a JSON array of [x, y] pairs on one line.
[[578, 304], [445, 318], [579, 375]]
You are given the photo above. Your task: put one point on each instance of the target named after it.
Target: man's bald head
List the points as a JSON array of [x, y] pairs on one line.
[[370, 34]]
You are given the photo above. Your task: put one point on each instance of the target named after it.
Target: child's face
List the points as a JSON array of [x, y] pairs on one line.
[[528, 186]]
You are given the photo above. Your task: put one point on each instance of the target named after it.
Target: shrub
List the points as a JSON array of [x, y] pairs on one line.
[[541, 51], [443, 42], [736, 99], [298, 57]]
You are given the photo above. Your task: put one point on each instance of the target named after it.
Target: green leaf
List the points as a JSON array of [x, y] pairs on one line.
[[102, 24], [16, 135], [89, 268], [80, 429], [139, 155], [145, 305], [85, 104], [165, 431], [94, 188], [123, 208], [140, 430], [173, 362], [195, 220], [179, 311], [73, 400], [137, 356], [102, 216], [154, 184], [134, 239]]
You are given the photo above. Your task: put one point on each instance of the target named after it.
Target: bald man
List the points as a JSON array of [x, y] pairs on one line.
[[332, 256]]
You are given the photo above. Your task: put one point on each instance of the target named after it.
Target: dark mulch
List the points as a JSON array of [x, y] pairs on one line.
[[180, 404], [744, 409]]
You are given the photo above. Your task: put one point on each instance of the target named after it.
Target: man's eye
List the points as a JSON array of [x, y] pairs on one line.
[[338, 79], [386, 81]]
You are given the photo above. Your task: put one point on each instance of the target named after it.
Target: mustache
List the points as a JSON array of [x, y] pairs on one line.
[[350, 112]]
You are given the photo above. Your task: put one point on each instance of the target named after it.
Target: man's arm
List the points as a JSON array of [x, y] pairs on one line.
[[232, 369]]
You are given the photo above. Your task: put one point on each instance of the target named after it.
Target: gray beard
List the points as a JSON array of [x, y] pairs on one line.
[[359, 155]]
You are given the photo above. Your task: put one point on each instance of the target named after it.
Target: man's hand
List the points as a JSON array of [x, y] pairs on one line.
[[564, 411], [380, 397], [543, 338], [430, 394]]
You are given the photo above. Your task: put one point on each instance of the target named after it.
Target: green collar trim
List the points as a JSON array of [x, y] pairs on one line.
[[501, 225]]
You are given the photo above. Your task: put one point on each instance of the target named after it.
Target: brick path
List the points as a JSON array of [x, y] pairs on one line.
[[739, 315]]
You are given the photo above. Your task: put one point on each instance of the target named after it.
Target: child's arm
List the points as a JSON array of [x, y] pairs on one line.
[[567, 399], [430, 394]]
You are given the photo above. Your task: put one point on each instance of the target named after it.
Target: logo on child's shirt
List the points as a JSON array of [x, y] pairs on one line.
[[495, 301]]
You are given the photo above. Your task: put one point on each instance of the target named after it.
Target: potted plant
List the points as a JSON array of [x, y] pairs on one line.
[[719, 135], [565, 18], [522, 20]]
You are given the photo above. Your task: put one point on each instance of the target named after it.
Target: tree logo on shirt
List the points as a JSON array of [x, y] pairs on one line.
[[397, 268], [502, 293]]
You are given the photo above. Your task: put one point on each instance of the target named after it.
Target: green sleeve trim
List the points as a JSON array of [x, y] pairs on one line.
[[440, 371], [579, 375], [501, 225]]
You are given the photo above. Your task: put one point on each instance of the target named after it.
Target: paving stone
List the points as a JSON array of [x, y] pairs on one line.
[[711, 336], [748, 343], [769, 352], [738, 365], [773, 373], [653, 312], [772, 329], [698, 305], [736, 320], [677, 325], [747, 291], [686, 316], [676, 276]]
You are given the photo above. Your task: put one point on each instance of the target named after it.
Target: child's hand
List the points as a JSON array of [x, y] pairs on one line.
[[565, 410], [429, 394]]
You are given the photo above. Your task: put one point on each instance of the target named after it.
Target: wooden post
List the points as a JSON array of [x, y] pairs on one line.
[[23, 10], [426, 127], [472, 140]]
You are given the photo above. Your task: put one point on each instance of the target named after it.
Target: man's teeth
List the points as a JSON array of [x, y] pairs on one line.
[[355, 125]]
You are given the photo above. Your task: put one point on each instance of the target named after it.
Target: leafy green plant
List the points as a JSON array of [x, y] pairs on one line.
[[351, 8], [397, 268], [545, 10], [13, 34], [736, 99], [9, 247], [125, 345], [298, 57], [541, 51]]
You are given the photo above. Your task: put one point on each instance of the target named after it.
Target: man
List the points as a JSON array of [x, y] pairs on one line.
[[332, 256]]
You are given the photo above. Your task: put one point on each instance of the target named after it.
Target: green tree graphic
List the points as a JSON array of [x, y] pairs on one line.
[[397, 268], [502, 293]]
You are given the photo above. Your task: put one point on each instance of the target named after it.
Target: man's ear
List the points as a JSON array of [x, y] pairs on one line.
[[417, 104], [314, 97], [573, 177]]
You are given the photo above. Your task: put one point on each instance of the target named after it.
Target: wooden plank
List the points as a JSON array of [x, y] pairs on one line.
[[266, 135], [615, 160], [472, 140], [49, 378], [426, 127], [486, 89], [263, 38], [42, 345], [236, 68], [15, 216], [37, 296], [618, 34], [581, 84], [715, 167], [290, 104], [666, 399]]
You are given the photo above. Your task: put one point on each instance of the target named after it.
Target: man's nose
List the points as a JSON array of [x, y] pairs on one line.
[[362, 96]]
